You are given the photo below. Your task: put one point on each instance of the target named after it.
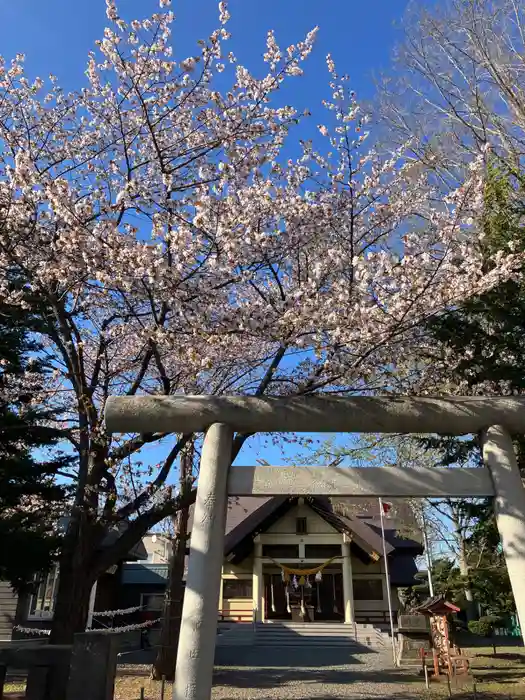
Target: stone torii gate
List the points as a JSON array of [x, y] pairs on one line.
[[219, 416]]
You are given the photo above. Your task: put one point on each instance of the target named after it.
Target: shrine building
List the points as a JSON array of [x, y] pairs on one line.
[[314, 559], [299, 559]]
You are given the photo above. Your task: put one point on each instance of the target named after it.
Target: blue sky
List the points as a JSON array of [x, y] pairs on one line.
[[56, 36]]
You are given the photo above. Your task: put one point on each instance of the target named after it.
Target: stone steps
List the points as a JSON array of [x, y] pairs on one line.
[[317, 634], [240, 634], [291, 634]]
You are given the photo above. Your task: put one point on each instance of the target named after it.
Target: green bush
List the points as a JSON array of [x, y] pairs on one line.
[[484, 627]]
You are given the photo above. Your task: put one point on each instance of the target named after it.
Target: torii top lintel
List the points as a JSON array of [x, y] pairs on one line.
[[457, 415]]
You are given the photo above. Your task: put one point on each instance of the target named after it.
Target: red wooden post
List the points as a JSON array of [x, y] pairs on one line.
[[436, 662]]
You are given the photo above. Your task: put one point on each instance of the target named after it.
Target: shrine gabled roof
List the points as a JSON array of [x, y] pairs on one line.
[[363, 536], [437, 606], [248, 517]]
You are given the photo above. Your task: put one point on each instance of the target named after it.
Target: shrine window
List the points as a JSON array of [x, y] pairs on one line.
[[322, 551], [301, 526], [236, 588], [281, 551]]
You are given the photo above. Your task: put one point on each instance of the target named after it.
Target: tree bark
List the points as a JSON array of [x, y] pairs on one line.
[[76, 578], [164, 664], [464, 570], [72, 604], [78, 572]]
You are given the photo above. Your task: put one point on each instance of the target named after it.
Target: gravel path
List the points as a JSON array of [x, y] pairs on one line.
[[313, 673], [252, 673]]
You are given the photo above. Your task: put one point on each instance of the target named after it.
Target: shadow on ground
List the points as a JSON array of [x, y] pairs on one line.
[[503, 656], [288, 657], [338, 696], [275, 657], [490, 675], [411, 695], [277, 677]]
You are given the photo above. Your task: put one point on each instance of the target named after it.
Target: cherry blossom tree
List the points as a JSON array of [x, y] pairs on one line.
[[171, 246]]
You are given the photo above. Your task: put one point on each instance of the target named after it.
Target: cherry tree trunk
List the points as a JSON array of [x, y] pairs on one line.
[[72, 604], [76, 579], [164, 664]]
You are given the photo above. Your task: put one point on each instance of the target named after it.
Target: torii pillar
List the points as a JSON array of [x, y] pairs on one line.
[[509, 506], [196, 651]]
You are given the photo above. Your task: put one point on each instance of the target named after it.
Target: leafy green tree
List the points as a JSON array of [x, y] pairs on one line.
[[30, 498], [416, 594], [486, 626], [481, 345], [488, 573], [448, 581]]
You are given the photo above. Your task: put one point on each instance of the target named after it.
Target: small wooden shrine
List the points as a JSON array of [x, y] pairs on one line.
[[447, 656]]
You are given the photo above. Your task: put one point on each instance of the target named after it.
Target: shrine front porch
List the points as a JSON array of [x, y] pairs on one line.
[[315, 601]]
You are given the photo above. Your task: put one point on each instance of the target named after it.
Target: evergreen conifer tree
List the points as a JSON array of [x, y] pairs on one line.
[[31, 500]]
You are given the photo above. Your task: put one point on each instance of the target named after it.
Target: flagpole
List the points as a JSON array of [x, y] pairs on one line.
[[428, 556], [387, 577]]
